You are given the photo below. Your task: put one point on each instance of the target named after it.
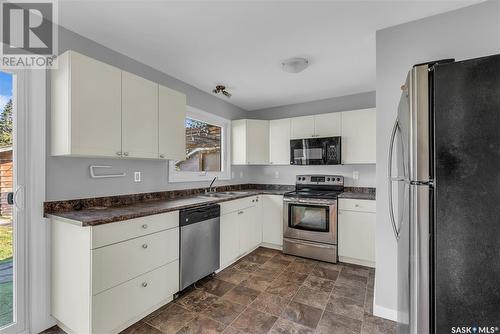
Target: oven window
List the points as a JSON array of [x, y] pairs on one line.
[[308, 217]]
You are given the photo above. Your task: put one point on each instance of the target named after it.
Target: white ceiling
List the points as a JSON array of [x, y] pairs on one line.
[[241, 43]]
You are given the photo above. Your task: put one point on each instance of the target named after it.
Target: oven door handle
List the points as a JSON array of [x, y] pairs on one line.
[[308, 243]]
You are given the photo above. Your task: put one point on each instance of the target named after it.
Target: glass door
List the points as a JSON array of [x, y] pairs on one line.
[[309, 217], [12, 228]]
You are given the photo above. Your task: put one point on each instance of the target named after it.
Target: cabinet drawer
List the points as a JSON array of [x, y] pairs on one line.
[[112, 310], [237, 204], [106, 234], [117, 263], [363, 205]]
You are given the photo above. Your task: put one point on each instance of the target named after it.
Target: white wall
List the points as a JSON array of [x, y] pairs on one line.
[[286, 174], [465, 33]]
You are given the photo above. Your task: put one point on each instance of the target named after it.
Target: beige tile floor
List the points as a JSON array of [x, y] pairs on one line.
[[269, 292]]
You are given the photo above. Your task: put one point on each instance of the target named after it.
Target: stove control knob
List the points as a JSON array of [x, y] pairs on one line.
[[338, 179], [328, 179]]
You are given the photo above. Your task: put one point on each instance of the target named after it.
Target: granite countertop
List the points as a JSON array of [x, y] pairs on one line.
[[91, 216], [103, 210]]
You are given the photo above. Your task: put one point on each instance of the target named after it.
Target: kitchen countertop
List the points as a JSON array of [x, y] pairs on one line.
[[92, 216], [103, 210], [357, 195]]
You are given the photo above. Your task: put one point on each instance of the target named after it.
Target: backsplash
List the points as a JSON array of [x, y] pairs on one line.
[[286, 174]]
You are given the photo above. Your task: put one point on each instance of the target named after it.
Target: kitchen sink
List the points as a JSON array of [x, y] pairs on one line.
[[217, 195]]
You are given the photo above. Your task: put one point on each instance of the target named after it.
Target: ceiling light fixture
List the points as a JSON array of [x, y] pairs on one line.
[[294, 65], [221, 89]]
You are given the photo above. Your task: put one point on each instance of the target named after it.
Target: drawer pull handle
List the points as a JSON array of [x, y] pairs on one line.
[[145, 246], [144, 284], [144, 226]]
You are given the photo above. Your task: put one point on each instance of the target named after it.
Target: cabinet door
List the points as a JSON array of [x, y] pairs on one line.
[[171, 124], [246, 230], [356, 234], [255, 224], [272, 219], [279, 141], [229, 238], [328, 125], [257, 142], [95, 112], [302, 127], [359, 136], [139, 117], [239, 142]]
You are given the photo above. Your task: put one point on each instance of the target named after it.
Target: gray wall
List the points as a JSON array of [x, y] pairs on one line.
[[465, 33], [69, 178], [341, 103]]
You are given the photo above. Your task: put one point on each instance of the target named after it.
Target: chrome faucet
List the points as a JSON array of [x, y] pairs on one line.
[[210, 188]]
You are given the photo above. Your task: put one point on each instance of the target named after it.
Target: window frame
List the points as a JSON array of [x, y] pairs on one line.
[[225, 173]]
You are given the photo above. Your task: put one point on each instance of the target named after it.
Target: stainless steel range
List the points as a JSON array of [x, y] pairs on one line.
[[310, 217]]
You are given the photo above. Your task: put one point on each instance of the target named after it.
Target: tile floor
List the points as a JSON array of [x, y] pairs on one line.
[[269, 292]]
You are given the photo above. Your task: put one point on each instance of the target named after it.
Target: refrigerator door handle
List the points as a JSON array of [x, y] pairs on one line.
[[390, 178]]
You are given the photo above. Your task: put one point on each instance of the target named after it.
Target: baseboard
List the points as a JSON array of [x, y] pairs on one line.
[[384, 312], [364, 263], [272, 246]]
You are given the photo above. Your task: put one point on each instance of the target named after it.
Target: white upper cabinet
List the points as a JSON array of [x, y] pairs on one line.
[[279, 141], [359, 136], [101, 111], [322, 125], [139, 117], [302, 127], [250, 142], [171, 119], [86, 107], [328, 125]]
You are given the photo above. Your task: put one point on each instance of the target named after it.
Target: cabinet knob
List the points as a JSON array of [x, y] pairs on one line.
[[144, 284], [144, 226], [145, 246], [356, 205], [119, 154], [162, 156], [125, 154], [240, 212]]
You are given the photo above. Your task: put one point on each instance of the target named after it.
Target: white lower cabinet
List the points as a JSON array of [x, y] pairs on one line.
[[115, 307], [107, 277], [356, 231], [272, 219], [240, 228], [229, 238]]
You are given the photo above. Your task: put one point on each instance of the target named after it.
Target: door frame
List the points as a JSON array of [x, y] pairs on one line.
[[19, 221]]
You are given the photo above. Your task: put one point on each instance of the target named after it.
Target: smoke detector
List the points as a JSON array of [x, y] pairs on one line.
[[294, 65]]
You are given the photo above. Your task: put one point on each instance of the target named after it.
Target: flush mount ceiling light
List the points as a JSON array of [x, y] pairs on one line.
[[221, 89], [294, 65]]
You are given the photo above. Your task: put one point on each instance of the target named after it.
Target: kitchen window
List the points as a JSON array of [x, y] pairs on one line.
[[207, 140]]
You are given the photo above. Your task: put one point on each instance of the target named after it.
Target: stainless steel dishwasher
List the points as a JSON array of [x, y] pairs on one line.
[[199, 243]]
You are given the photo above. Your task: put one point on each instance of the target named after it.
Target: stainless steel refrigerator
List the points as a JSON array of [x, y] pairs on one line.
[[444, 188]]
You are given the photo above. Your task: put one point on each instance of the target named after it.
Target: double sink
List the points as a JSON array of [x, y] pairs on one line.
[[225, 194]]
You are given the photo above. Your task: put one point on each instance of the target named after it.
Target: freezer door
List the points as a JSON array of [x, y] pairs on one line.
[[467, 187]]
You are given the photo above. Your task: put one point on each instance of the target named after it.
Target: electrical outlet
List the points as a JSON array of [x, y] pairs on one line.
[[276, 175], [232, 175], [241, 174], [355, 175], [137, 176]]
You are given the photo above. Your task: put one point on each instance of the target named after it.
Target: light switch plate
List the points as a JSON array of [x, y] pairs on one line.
[[276, 175], [137, 176]]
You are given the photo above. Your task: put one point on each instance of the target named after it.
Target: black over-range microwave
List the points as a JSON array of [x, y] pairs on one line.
[[315, 151]]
